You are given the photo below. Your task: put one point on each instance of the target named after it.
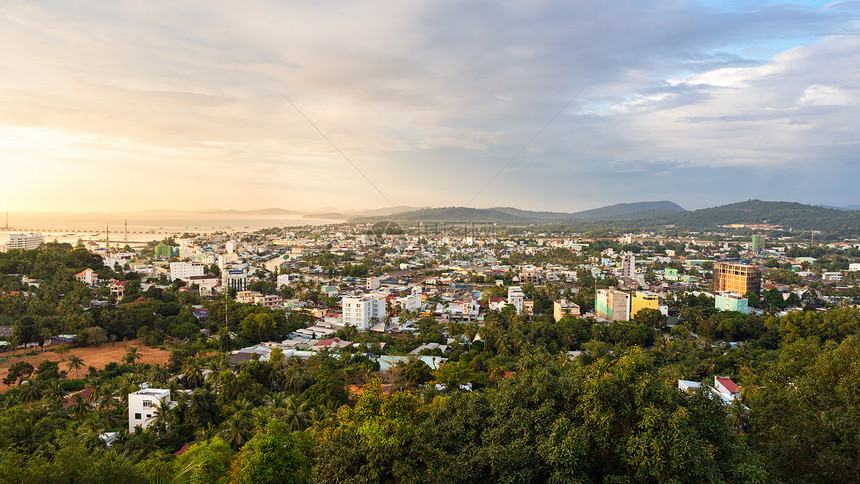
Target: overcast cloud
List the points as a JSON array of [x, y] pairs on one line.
[[132, 105]]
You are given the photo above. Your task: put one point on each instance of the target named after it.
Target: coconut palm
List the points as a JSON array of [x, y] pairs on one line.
[[75, 362], [295, 414], [79, 407], [235, 431], [29, 393]]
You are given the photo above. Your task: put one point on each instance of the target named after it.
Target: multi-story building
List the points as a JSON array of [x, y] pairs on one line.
[[737, 278], [563, 307], [358, 310], [185, 270], [730, 301], [88, 276], [372, 283], [612, 304], [142, 405], [644, 300], [628, 265], [205, 283], [269, 301], [757, 243], [234, 279], [516, 297], [23, 242]]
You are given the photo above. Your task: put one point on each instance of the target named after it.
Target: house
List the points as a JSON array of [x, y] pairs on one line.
[[142, 405], [117, 289], [726, 386], [88, 277]]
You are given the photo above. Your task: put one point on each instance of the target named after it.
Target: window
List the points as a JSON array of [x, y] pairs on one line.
[[147, 403], [149, 415], [137, 416]]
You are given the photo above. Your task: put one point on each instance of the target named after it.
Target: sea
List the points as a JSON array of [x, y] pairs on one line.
[[138, 228]]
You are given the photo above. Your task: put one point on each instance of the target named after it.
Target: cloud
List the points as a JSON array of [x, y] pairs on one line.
[[427, 98]]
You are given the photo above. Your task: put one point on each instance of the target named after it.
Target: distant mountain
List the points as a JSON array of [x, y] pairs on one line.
[[262, 211], [754, 212], [621, 211]]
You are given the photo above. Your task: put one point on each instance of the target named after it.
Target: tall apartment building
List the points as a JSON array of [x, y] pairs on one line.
[[628, 265], [23, 242], [358, 310], [757, 243], [737, 278], [612, 304], [185, 270], [235, 279]]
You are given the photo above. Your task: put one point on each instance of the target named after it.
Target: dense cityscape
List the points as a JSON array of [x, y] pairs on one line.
[[373, 352]]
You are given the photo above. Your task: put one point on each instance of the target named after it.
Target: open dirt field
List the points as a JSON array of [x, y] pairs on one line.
[[97, 356]]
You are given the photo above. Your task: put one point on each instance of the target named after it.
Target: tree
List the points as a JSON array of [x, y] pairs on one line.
[[17, 372], [650, 317], [257, 327], [75, 363], [207, 461], [274, 455], [131, 356]]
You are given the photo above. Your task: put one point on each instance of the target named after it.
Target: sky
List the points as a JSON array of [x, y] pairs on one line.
[[544, 105]]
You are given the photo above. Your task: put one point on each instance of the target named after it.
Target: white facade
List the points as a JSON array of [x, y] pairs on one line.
[[412, 302], [283, 280], [358, 311], [516, 297], [23, 241], [628, 265], [854, 267], [234, 278], [372, 283], [142, 405], [185, 270]]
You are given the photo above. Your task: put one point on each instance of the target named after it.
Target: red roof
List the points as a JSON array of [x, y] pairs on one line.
[[327, 342], [182, 450], [496, 299], [729, 385], [85, 394]]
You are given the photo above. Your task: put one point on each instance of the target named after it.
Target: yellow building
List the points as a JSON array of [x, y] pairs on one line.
[[563, 307], [644, 300]]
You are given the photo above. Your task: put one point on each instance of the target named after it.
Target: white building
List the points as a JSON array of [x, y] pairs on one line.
[[628, 265], [205, 284], [142, 405], [88, 276], [516, 297], [854, 267], [235, 279], [372, 283], [411, 302], [185, 270], [358, 311], [23, 242]]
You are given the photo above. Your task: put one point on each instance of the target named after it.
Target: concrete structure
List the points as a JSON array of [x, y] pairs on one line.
[[411, 302], [185, 270], [854, 267], [234, 279], [563, 307], [358, 311], [628, 266], [731, 301], [142, 405], [726, 386], [612, 305], [516, 297], [23, 242], [644, 300], [205, 284], [269, 301], [372, 283], [738, 278], [757, 243]]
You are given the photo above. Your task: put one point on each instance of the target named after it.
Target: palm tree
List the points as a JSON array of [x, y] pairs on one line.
[[235, 431], [131, 356], [159, 374], [192, 375], [55, 395], [76, 363], [295, 414], [162, 416], [79, 408], [29, 393]]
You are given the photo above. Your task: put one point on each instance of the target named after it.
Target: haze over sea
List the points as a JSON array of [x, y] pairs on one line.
[[142, 226]]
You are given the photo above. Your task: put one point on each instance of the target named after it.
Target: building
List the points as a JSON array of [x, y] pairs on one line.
[[757, 243], [516, 297], [117, 289], [563, 307], [270, 301], [234, 279], [163, 251], [372, 283], [142, 405], [358, 310], [628, 266], [726, 386], [205, 284], [612, 304], [88, 277], [731, 301], [23, 242], [644, 300], [185, 270], [737, 278], [854, 267]]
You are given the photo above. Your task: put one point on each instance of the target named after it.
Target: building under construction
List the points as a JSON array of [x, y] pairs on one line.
[[737, 278]]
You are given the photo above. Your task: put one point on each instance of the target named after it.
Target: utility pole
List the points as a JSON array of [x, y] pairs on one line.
[[107, 236]]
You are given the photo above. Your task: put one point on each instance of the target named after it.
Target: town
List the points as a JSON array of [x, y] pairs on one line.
[[291, 324]]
